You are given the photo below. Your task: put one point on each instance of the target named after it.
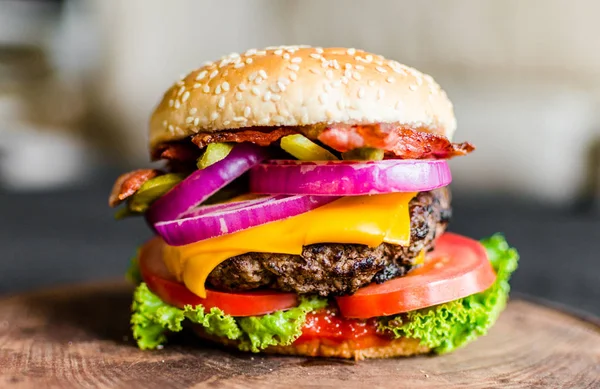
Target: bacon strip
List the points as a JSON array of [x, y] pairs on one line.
[[182, 152], [258, 137], [129, 183], [402, 142]]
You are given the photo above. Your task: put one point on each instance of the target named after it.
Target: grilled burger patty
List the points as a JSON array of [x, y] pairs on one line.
[[337, 269]]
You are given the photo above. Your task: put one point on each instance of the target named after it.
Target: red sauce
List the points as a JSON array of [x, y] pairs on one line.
[[330, 327]]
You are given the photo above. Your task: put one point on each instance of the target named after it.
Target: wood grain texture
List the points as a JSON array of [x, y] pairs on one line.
[[78, 337]]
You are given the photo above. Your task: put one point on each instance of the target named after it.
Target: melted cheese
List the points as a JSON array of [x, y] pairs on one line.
[[368, 220]]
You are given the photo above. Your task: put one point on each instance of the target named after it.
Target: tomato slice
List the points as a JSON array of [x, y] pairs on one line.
[[456, 268], [161, 282]]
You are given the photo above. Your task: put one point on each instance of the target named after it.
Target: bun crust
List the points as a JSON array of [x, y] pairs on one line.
[[300, 86], [401, 347]]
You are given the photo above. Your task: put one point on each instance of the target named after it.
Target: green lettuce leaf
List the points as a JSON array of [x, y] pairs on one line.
[[448, 326], [152, 319]]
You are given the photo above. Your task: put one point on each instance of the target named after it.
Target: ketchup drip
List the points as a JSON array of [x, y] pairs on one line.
[[330, 327]]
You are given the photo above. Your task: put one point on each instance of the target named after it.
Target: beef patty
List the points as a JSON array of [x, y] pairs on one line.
[[337, 269]]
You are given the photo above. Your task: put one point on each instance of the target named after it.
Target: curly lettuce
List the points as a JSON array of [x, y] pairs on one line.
[[448, 326], [152, 319]]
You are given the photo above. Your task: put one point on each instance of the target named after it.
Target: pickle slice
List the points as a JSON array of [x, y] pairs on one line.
[[304, 149], [364, 154], [152, 190], [214, 153]]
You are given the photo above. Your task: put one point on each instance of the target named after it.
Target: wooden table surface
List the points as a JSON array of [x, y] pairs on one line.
[[78, 337]]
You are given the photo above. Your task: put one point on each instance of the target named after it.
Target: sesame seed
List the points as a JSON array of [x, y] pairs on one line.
[[329, 73], [336, 83], [189, 119], [171, 128], [267, 96], [180, 91], [218, 90], [379, 62], [196, 85], [369, 58], [224, 62], [325, 64], [275, 97], [356, 76], [344, 80], [164, 123], [252, 76], [248, 61], [351, 51], [225, 86], [348, 73], [247, 111], [319, 50], [296, 60], [315, 71], [281, 86], [251, 52], [180, 82], [359, 67], [242, 86], [214, 116], [294, 67], [262, 73], [225, 73], [177, 104], [278, 119], [380, 93], [221, 103], [171, 103], [275, 88], [238, 96], [323, 98], [340, 104], [412, 87], [207, 63], [238, 65], [201, 75], [239, 119], [278, 52], [390, 79], [348, 66], [285, 81], [327, 87], [185, 96], [255, 91], [258, 80], [371, 82], [335, 64], [206, 88], [361, 92], [380, 69], [264, 121], [330, 114], [261, 52], [315, 55], [213, 74], [226, 122], [293, 76], [196, 121], [286, 56]]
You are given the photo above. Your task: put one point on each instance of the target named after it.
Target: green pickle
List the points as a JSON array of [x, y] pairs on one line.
[[364, 154], [152, 190], [214, 153], [304, 149]]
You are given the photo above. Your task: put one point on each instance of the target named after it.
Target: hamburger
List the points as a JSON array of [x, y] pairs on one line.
[[302, 209]]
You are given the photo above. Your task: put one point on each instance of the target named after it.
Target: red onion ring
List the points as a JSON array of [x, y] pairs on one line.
[[202, 184], [220, 219], [348, 178]]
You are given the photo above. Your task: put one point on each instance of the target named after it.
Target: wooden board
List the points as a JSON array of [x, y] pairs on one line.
[[78, 337]]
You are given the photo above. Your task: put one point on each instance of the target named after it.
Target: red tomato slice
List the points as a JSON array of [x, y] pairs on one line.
[[456, 268], [161, 282]]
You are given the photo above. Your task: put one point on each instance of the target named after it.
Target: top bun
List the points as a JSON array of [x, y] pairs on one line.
[[298, 86]]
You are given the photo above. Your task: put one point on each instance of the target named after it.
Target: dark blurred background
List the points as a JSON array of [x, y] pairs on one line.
[[78, 80]]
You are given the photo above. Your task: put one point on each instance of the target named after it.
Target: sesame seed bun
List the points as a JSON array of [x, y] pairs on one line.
[[300, 86], [401, 347]]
